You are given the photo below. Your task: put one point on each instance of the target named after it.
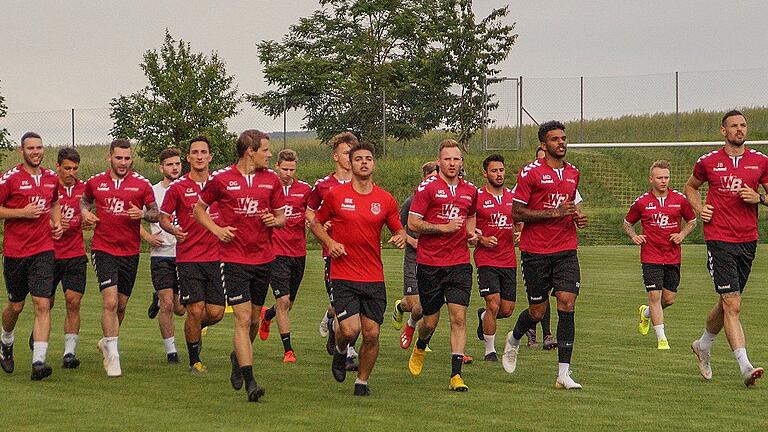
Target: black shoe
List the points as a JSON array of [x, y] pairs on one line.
[[350, 364], [362, 390], [70, 362], [491, 357], [173, 358], [480, 324], [40, 370], [154, 307], [339, 367], [330, 343], [6, 357], [255, 391], [236, 378]]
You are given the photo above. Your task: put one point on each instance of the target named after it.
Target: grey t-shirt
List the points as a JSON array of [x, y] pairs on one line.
[[410, 252]]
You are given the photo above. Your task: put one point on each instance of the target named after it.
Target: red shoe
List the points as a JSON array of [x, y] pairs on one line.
[[289, 357], [406, 337], [468, 359], [264, 325]]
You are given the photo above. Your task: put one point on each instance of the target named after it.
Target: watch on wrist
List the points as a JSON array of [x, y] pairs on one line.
[[762, 199]]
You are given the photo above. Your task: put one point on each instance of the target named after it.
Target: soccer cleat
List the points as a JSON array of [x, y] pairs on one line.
[[406, 337], [172, 358], [339, 367], [480, 324], [565, 382], [255, 391], [236, 377], [645, 323], [6, 357], [468, 359], [427, 349], [457, 384], [663, 344], [549, 342], [351, 351], [154, 307], [40, 370], [491, 357], [324, 326], [264, 325], [416, 361], [70, 361], [702, 360], [350, 364], [198, 369], [112, 364], [289, 357], [204, 331], [532, 342], [330, 344], [752, 375], [397, 316], [362, 390], [509, 358]]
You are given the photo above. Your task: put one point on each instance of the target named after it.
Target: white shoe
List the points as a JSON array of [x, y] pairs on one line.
[[752, 375], [324, 326], [566, 382], [112, 365], [702, 357], [509, 358], [351, 353]]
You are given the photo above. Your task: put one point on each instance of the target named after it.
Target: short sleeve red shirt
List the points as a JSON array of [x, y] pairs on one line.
[[436, 202], [179, 202], [24, 237], [541, 187], [242, 200], [116, 233], [316, 197], [358, 220], [733, 220], [494, 218], [660, 217], [70, 245], [291, 240]]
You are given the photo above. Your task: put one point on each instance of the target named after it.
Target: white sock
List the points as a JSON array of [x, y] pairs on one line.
[[647, 312], [170, 345], [706, 340], [659, 329], [111, 344], [70, 343], [563, 369], [351, 351], [490, 342], [7, 337], [482, 316], [341, 352], [411, 322], [359, 381], [39, 351], [740, 354], [513, 341]]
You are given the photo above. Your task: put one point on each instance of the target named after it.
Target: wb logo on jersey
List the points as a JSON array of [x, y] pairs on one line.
[[554, 200], [499, 220], [115, 205], [731, 183], [450, 211], [660, 220], [249, 206], [37, 201], [67, 212]]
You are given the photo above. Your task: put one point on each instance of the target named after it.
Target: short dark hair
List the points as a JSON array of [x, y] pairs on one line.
[[286, 155], [364, 145], [492, 158], [201, 139], [428, 168], [549, 126], [168, 153], [68, 153], [343, 138], [250, 138], [119, 143], [731, 113], [28, 135]]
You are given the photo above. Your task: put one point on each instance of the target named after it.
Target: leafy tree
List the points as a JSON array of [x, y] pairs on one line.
[[5, 141], [188, 94]]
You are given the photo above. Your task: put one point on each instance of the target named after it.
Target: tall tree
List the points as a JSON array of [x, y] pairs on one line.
[[5, 140], [188, 94]]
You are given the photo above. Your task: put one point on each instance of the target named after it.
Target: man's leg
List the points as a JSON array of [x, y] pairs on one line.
[[735, 334], [73, 300], [369, 349], [11, 314], [346, 331], [41, 331], [166, 324], [410, 303], [192, 334], [488, 323], [282, 307]]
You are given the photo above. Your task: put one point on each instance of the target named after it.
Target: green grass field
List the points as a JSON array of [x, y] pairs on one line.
[[628, 384]]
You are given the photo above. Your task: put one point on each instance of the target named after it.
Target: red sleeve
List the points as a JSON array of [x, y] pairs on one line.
[[523, 188], [55, 197], [420, 201], [88, 191], [687, 211], [472, 209], [168, 206], [393, 216], [764, 177], [211, 192], [325, 211], [149, 194], [277, 198], [5, 190], [633, 215], [313, 199], [700, 171]]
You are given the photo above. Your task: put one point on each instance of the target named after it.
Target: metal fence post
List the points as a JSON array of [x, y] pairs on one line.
[[520, 114], [581, 108], [485, 113], [384, 121], [677, 108], [285, 122], [73, 127]]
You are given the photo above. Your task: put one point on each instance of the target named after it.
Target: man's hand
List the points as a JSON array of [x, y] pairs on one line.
[[135, 212], [580, 219], [336, 249], [398, 240], [707, 211], [676, 238], [89, 219], [269, 219], [639, 239], [489, 242], [32, 211], [566, 209], [749, 195], [453, 225], [56, 231], [180, 235], [226, 234], [155, 241]]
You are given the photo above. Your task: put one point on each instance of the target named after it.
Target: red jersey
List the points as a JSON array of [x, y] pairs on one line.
[[70, 245], [436, 202], [361, 217], [733, 220], [24, 237], [660, 217], [116, 233], [541, 187], [291, 239], [316, 197], [242, 200], [180, 199], [494, 218]]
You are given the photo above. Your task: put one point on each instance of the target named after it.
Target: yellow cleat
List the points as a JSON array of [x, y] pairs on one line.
[[204, 331], [416, 362], [427, 349], [397, 316], [645, 323], [198, 369], [663, 344], [457, 384]]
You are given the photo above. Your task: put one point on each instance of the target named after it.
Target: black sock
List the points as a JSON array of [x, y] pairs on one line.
[[247, 372], [329, 316], [566, 332], [524, 323], [456, 361], [545, 328], [421, 344], [194, 352], [269, 315], [354, 341], [203, 324], [286, 338], [429, 338], [399, 308]]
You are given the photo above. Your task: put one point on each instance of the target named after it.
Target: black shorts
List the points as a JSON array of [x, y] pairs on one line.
[[287, 273], [729, 264], [71, 272], [410, 284], [497, 280], [28, 275], [245, 282], [658, 276], [367, 298], [558, 271], [327, 280], [201, 282], [163, 271], [440, 285], [114, 270]]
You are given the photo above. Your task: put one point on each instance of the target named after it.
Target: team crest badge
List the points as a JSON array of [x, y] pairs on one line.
[[375, 208]]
